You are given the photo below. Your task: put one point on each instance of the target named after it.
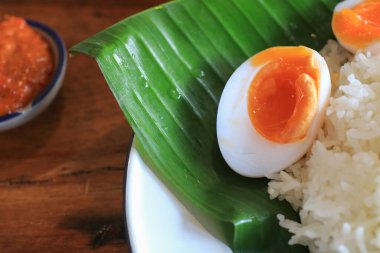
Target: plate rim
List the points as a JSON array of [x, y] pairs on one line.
[[125, 178], [194, 227]]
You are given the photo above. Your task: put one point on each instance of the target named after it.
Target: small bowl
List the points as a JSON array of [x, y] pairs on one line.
[[44, 99]]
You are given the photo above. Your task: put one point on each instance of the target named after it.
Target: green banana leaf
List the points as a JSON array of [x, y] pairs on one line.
[[167, 68]]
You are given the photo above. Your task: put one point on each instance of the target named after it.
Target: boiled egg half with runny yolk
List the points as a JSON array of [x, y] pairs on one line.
[[271, 109], [356, 25]]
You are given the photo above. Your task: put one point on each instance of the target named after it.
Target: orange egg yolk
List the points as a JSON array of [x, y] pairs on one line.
[[358, 26], [282, 98]]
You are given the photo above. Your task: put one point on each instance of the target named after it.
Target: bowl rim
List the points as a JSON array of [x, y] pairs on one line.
[[59, 69]]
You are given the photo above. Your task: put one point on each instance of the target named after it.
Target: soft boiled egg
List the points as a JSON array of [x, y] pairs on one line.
[[356, 25], [271, 109]]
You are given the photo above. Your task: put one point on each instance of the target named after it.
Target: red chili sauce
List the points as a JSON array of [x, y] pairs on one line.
[[26, 64]]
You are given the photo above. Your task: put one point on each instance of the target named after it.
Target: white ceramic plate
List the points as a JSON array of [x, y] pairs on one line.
[[156, 221]]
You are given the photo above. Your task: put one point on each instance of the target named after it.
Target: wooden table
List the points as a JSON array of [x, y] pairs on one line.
[[61, 175]]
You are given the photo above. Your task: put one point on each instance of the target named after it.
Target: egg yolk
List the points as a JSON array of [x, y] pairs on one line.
[[358, 26], [282, 98]]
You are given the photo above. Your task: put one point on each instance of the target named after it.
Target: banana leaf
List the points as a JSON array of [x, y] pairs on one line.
[[167, 67]]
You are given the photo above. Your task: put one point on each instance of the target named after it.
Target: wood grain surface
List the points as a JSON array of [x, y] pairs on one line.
[[61, 175]]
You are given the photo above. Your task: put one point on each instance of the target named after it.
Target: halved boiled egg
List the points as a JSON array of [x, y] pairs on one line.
[[271, 109], [356, 25]]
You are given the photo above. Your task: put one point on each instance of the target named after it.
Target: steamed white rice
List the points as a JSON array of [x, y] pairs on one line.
[[336, 188]]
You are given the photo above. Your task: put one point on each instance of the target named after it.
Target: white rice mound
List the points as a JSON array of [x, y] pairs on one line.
[[336, 187]]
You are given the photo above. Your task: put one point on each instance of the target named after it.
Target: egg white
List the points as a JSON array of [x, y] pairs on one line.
[[346, 4], [245, 150]]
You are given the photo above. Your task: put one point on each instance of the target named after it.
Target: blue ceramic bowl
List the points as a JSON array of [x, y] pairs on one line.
[[44, 99]]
